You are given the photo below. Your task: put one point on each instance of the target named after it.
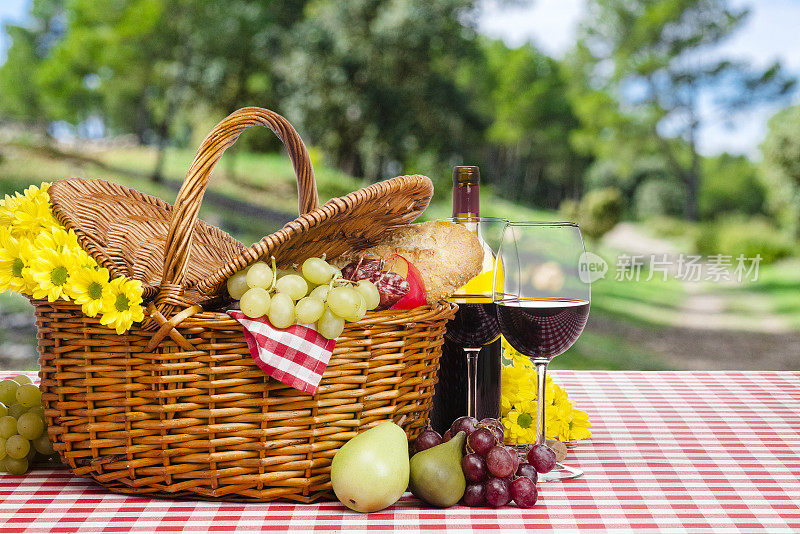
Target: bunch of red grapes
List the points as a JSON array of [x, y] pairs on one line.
[[496, 474]]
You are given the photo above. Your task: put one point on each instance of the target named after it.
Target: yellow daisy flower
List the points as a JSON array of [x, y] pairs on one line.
[[15, 258], [8, 207], [559, 394], [32, 214], [57, 238], [505, 404], [122, 305], [578, 427], [557, 424], [38, 193], [559, 404], [88, 287], [520, 423], [82, 259], [518, 382], [51, 270]]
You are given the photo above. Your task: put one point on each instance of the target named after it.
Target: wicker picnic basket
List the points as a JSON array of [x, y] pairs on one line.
[[176, 406]]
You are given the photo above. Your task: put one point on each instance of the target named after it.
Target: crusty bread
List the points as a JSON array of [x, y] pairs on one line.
[[446, 254]]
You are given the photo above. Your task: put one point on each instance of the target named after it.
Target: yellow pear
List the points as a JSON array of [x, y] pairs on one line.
[[370, 472]]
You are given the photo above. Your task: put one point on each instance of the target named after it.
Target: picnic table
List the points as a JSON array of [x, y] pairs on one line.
[[673, 451]]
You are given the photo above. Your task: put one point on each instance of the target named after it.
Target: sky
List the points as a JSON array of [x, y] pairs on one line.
[[13, 11], [771, 32]]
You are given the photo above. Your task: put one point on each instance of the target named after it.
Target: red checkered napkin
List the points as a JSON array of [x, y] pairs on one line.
[[296, 356]]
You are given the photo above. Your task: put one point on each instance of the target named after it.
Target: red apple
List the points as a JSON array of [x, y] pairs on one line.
[[416, 296]]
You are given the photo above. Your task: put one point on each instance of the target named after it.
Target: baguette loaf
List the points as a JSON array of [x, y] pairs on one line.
[[447, 255]]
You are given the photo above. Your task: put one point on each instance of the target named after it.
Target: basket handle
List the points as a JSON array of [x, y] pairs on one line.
[[184, 215]]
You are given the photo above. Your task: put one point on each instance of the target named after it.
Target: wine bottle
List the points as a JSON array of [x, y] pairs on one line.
[[450, 397]]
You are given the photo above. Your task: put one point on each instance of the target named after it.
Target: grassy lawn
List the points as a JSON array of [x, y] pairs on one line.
[[594, 350], [778, 287], [641, 302]]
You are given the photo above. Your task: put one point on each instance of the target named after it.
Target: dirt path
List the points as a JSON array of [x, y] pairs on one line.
[[708, 332], [704, 310]]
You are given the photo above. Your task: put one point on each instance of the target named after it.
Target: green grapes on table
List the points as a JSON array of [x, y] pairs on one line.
[[14, 466], [29, 395], [30, 425], [361, 310], [317, 271], [43, 445], [309, 310], [8, 392], [370, 293], [23, 429], [292, 285], [237, 285], [343, 301], [17, 409], [320, 292], [330, 325], [8, 426], [17, 447], [22, 379], [259, 275], [314, 294]]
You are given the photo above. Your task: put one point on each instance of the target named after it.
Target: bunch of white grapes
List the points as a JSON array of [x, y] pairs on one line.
[[23, 430], [317, 294]]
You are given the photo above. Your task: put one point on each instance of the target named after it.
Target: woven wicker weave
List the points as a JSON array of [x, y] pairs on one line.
[[126, 231], [176, 406]]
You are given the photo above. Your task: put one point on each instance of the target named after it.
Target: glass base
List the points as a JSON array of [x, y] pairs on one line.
[[560, 472]]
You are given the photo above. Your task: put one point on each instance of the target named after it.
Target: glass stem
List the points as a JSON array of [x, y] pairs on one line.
[[541, 381], [472, 381]]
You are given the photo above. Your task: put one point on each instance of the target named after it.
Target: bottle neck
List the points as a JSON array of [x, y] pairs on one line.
[[466, 200]]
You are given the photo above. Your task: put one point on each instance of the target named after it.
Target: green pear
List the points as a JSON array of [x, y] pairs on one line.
[[436, 474], [370, 472]]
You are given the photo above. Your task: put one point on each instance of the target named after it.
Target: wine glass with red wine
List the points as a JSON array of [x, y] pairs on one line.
[[475, 322], [542, 301]]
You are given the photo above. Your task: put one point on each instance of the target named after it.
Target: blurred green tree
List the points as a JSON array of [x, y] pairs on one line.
[[138, 64], [641, 70], [657, 197], [20, 98], [597, 212], [730, 185], [523, 95], [781, 168], [372, 82]]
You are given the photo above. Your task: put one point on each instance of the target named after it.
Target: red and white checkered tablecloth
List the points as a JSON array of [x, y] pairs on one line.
[[670, 452]]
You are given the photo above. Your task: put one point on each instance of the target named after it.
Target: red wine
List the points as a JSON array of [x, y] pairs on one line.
[[474, 325], [542, 328]]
